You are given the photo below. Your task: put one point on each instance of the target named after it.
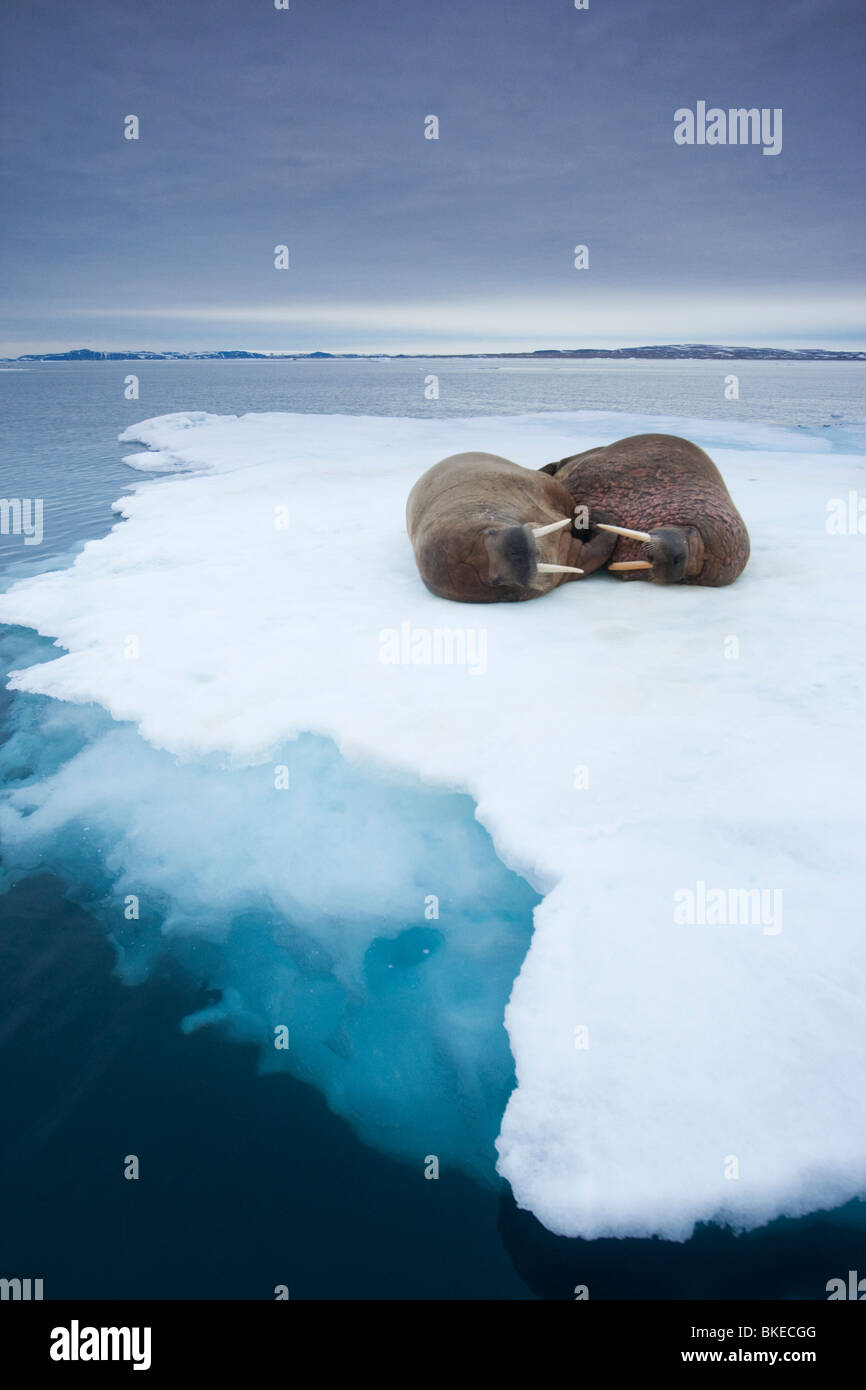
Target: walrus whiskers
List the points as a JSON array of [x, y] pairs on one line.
[[629, 565], [624, 531], [554, 526], [558, 569]]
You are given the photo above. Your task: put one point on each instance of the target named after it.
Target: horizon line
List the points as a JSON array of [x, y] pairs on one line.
[[289, 353]]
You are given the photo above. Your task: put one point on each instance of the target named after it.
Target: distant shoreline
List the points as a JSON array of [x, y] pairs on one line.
[[671, 352]]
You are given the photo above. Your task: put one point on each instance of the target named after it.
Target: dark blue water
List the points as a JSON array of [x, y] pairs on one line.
[[249, 1181]]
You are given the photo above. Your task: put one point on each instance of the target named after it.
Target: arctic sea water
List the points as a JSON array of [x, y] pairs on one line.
[[116, 1045]]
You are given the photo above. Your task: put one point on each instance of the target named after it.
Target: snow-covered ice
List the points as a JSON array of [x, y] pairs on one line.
[[626, 746]]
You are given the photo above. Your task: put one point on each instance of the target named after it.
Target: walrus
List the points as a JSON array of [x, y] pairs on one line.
[[485, 530], [667, 501]]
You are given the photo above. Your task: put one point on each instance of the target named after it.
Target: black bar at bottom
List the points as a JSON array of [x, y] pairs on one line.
[[82, 1338]]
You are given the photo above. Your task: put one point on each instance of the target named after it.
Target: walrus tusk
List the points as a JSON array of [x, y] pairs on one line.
[[557, 569], [629, 565], [554, 526], [624, 531]]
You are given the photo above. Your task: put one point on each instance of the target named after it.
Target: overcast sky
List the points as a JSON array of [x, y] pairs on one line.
[[305, 127]]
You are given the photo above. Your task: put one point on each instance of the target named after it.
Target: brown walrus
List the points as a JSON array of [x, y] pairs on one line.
[[486, 530], [667, 501]]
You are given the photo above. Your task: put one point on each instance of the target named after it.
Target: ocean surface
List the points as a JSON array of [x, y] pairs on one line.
[[249, 1181]]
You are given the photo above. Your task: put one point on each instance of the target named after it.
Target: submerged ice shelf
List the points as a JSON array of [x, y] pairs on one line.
[[623, 745], [303, 909]]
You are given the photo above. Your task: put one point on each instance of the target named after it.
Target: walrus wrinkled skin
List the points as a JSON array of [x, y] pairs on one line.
[[668, 487], [471, 519]]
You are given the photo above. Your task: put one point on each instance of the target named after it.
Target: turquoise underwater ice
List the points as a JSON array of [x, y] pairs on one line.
[[369, 919]]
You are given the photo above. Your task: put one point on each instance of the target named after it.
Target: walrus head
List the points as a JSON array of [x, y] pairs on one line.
[[513, 558], [513, 554], [497, 563], [669, 554]]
